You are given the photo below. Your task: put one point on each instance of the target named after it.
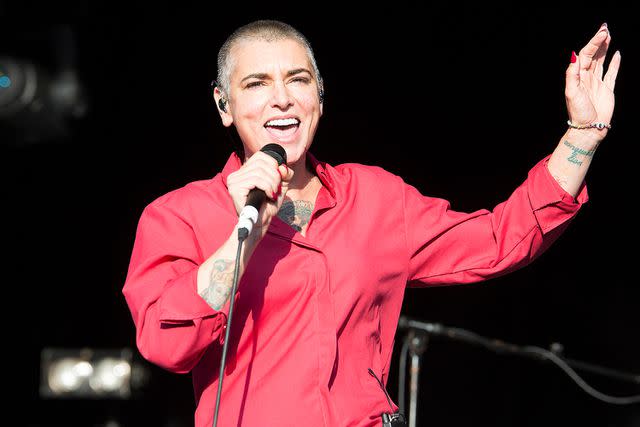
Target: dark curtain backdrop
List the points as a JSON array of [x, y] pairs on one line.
[[459, 99]]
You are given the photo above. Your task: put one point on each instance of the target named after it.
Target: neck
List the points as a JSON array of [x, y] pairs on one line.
[[302, 175]]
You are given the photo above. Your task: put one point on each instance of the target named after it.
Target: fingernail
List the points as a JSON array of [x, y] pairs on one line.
[[279, 188], [604, 25], [280, 173], [573, 57]]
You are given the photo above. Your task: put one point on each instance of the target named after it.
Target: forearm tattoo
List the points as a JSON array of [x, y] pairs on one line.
[[220, 283], [296, 213], [573, 158]]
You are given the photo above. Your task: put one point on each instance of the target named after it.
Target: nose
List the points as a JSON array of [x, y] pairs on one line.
[[281, 98]]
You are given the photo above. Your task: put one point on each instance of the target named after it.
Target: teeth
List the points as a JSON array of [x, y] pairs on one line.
[[282, 122]]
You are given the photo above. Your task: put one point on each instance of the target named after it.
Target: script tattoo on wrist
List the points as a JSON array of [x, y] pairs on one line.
[[296, 213], [220, 284], [573, 158]]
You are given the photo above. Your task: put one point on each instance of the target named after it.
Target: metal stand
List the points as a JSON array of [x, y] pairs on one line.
[[415, 343]]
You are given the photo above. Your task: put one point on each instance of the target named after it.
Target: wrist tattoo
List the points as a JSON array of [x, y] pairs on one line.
[[573, 158], [296, 213], [220, 284]]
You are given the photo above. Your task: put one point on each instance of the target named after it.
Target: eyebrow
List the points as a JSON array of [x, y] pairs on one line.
[[298, 71], [264, 76]]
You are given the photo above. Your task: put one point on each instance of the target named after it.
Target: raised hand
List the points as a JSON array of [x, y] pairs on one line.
[[589, 95]]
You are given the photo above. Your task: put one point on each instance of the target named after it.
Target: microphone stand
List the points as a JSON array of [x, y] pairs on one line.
[[500, 346], [417, 346], [417, 341]]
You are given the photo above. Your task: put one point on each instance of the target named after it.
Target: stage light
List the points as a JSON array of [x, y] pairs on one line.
[[39, 102], [90, 373], [68, 374], [110, 375]]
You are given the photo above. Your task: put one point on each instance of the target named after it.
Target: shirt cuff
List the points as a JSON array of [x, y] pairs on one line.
[[551, 204]]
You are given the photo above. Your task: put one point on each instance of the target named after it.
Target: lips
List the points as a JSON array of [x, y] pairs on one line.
[[282, 128], [284, 121]]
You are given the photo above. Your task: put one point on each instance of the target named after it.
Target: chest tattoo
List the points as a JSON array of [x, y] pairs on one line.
[[296, 213]]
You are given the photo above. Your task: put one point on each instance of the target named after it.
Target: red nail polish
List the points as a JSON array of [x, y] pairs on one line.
[[279, 189], [573, 57]]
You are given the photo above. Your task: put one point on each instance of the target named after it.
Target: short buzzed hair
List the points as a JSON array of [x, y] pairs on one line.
[[265, 30]]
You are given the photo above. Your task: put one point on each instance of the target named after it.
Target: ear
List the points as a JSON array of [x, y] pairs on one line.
[[222, 101]]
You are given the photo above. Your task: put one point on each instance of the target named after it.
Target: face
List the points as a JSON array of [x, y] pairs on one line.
[[273, 97]]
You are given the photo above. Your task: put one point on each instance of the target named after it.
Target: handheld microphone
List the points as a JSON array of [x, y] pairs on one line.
[[249, 214]]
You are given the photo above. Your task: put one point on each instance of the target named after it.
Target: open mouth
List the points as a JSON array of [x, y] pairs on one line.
[[282, 128]]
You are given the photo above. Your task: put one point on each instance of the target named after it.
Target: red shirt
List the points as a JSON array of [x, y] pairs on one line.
[[313, 313]]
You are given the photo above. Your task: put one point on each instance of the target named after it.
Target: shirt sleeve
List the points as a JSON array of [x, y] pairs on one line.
[[174, 325], [448, 247]]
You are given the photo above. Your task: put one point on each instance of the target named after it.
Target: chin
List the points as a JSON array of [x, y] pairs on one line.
[[295, 154]]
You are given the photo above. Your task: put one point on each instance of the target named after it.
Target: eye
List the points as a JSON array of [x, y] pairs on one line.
[[305, 80], [253, 84]]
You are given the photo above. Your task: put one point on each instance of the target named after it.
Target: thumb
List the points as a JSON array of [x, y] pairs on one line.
[[572, 75], [285, 172]]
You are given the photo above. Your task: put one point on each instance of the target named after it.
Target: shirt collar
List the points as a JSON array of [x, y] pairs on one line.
[[321, 169]]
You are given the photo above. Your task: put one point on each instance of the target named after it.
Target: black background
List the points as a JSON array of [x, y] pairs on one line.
[[460, 99]]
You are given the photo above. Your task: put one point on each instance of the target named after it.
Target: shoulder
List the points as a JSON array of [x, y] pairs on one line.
[[364, 171], [192, 197], [362, 174]]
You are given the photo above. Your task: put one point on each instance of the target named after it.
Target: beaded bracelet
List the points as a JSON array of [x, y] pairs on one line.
[[597, 125]]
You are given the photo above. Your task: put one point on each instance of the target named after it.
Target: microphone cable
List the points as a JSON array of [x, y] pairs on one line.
[[246, 220], [544, 354], [614, 400], [243, 233]]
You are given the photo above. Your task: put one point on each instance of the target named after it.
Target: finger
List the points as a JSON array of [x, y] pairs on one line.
[[267, 164], [572, 78], [589, 51], [261, 167], [601, 54], [285, 172], [267, 171], [253, 179], [242, 179], [260, 156], [612, 71], [258, 181]]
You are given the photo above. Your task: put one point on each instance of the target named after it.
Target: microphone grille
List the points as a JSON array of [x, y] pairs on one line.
[[275, 151]]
